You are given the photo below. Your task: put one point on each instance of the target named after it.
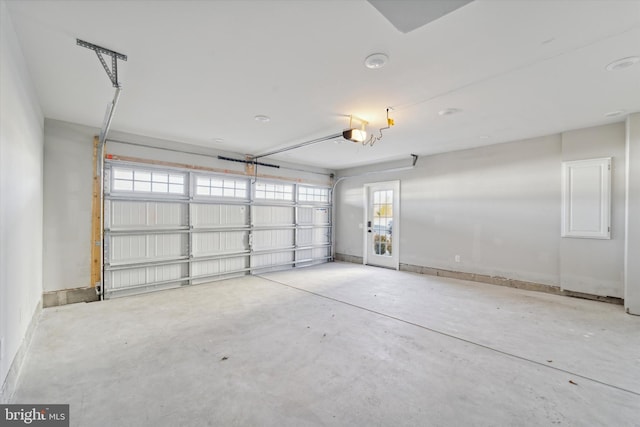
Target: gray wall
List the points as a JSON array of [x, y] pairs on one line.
[[68, 183], [596, 266], [68, 171], [481, 204], [21, 189], [498, 207], [632, 254]]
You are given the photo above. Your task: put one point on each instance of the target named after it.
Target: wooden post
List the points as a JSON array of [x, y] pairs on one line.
[[96, 221]]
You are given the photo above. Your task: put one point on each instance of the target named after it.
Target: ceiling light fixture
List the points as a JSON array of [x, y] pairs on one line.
[[376, 61], [355, 135], [360, 135], [623, 63], [217, 140], [615, 113], [262, 118], [351, 134]]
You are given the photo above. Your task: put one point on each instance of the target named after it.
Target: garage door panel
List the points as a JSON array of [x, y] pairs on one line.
[[220, 242], [304, 254], [305, 237], [142, 248], [133, 277], [305, 215], [319, 253], [313, 255], [212, 215], [313, 215], [273, 239], [131, 214], [219, 266], [273, 215], [313, 236], [321, 236], [265, 260]]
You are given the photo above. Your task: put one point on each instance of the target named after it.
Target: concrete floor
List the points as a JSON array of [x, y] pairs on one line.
[[338, 344]]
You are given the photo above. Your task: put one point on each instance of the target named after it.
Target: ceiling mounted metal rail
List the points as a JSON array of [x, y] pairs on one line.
[[99, 50], [113, 76], [300, 145], [254, 159], [111, 108]]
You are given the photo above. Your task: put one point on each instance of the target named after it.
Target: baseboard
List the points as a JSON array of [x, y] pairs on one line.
[[10, 383], [492, 280], [349, 258], [504, 281], [69, 296]]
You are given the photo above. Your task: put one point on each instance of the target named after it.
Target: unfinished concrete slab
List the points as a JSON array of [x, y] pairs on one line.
[[338, 344]]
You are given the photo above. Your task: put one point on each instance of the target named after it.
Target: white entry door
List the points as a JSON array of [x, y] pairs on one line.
[[381, 231]]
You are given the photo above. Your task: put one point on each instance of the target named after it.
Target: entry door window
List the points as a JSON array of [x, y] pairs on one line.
[[383, 222], [382, 215]]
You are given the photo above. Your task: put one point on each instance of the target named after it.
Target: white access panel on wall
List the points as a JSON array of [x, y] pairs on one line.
[[586, 198]]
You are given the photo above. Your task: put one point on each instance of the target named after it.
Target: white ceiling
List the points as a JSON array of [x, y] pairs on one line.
[[201, 70]]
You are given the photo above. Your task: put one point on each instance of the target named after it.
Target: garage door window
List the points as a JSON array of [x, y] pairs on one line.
[[218, 187], [274, 192], [313, 194], [146, 181]]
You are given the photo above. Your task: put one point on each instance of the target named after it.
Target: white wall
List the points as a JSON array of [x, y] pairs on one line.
[[482, 204], [632, 253], [498, 207], [68, 171], [68, 184], [596, 266], [21, 190]]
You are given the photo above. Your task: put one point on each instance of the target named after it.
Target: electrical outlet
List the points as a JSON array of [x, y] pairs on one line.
[[457, 258]]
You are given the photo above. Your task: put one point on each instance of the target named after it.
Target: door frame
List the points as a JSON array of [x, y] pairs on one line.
[[388, 185]]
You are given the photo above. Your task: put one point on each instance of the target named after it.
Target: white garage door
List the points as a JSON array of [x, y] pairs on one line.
[[172, 227]]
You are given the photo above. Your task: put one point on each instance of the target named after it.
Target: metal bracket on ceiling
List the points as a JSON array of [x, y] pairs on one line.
[[113, 72]]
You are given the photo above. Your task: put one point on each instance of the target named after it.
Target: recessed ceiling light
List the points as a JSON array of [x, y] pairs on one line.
[[262, 118], [217, 140], [623, 63], [615, 113], [376, 60], [484, 136], [448, 111]]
